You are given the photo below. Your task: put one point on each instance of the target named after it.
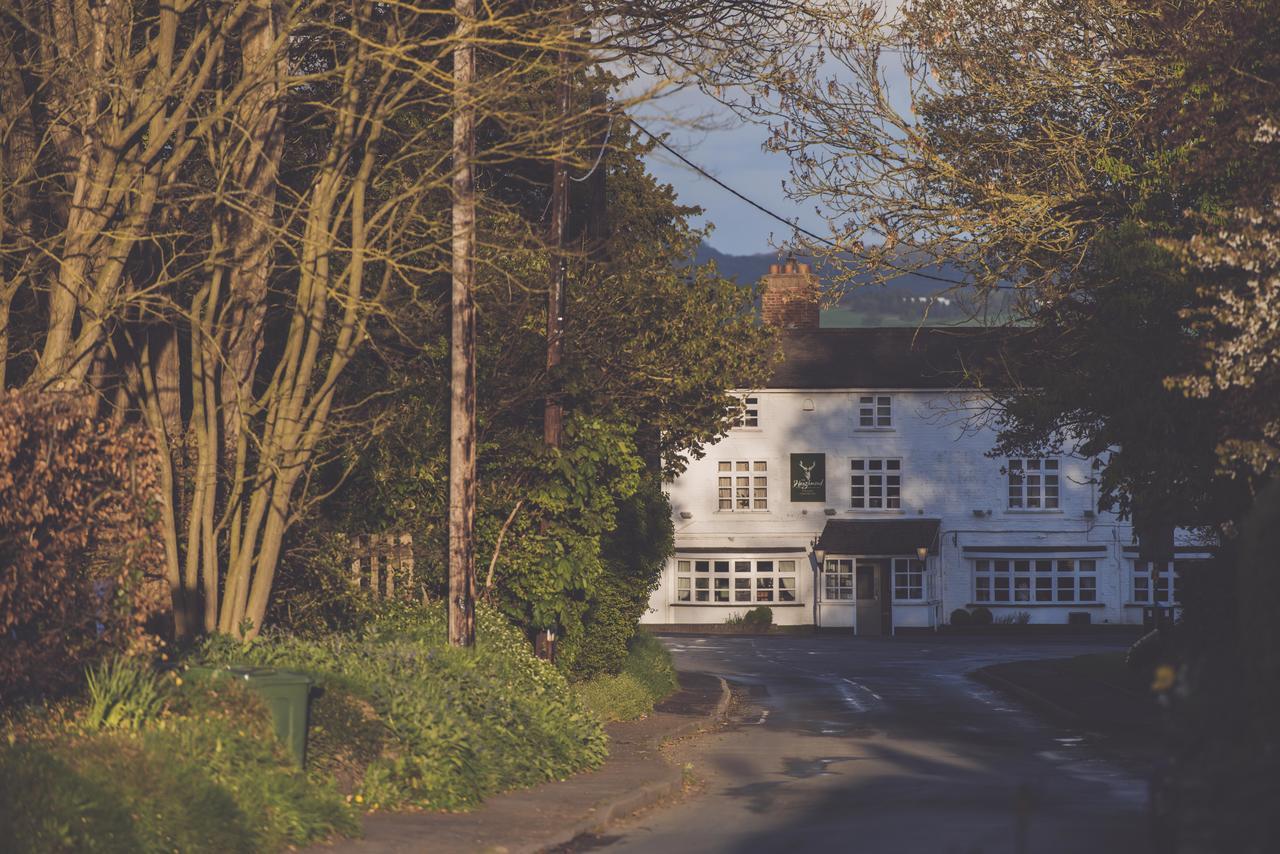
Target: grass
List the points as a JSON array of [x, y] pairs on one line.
[[405, 720], [198, 771], [1110, 669], [647, 676], [184, 763]]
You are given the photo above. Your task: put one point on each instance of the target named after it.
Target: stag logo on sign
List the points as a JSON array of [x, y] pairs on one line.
[[809, 477]]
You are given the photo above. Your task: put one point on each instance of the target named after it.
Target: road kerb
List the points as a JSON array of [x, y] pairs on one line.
[[607, 812]]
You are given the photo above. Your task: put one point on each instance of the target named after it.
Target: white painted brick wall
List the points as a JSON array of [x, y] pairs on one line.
[[946, 475]]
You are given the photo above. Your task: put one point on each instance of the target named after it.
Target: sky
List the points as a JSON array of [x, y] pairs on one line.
[[732, 150]]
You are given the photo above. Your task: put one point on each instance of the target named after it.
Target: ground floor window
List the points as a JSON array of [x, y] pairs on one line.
[[908, 580], [1047, 580], [837, 581], [1157, 588], [728, 581]]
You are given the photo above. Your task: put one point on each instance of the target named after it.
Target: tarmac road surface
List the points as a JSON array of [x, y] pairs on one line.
[[884, 745]]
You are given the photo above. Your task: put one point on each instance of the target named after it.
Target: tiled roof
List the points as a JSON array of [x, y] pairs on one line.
[[888, 357], [879, 536]]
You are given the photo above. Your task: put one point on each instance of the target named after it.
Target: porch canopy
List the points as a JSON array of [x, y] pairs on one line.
[[879, 536]]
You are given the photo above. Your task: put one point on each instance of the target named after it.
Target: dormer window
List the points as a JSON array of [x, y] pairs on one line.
[[875, 411], [749, 414]]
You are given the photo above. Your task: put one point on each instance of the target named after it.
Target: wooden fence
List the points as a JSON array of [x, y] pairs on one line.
[[383, 565]]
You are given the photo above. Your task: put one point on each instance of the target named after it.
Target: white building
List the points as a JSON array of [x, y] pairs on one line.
[[863, 450]]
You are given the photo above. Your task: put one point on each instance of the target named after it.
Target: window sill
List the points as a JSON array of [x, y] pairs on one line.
[[1152, 605], [741, 512], [896, 511], [875, 429], [1036, 605], [1017, 511]]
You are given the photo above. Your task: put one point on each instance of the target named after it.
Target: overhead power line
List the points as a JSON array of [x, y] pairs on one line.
[[780, 218]]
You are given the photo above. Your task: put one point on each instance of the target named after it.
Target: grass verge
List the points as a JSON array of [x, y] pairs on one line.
[[647, 676]]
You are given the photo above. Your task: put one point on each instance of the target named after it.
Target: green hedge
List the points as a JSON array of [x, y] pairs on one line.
[[404, 719], [647, 676]]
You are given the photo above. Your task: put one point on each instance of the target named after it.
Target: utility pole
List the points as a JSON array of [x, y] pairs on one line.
[[462, 377], [553, 411]]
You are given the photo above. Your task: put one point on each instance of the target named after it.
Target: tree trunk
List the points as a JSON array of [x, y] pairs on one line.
[[462, 413]]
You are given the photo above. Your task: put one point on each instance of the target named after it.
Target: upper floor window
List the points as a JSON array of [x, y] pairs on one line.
[[749, 414], [875, 484], [743, 485], [875, 411], [1033, 484]]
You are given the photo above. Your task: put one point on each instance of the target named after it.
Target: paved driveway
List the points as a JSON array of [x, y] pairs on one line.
[[870, 745]]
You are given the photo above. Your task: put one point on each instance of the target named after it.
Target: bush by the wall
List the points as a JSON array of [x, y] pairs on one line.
[[760, 617], [981, 616], [961, 617], [81, 560]]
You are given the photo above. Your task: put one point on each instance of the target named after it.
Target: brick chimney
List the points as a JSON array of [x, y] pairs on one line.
[[790, 298]]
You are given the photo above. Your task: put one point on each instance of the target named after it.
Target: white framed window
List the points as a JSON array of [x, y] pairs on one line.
[[736, 581], [1044, 580], [875, 412], [1162, 588], [875, 484], [908, 580], [749, 414], [743, 485], [1033, 483], [837, 580]]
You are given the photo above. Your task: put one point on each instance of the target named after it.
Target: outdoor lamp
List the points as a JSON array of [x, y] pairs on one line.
[[819, 553], [922, 552]]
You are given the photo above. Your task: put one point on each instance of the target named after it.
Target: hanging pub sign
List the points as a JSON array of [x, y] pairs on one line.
[[809, 477]]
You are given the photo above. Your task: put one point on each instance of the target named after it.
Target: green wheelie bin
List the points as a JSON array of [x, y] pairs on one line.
[[287, 695]]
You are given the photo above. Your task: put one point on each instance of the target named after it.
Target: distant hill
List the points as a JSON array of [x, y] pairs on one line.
[[900, 301]]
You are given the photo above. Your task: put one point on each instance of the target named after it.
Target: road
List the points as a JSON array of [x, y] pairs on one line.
[[884, 745]]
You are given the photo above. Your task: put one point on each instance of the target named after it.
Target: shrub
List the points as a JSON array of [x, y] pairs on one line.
[[205, 774], [122, 693], [760, 616], [647, 677], [1017, 618], [981, 616], [81, 561], [453, 726], [961, 617]]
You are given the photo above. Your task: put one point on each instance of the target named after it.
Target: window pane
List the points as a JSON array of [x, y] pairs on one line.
[[984, 589], [786, 590], [742, 465], [682, 566], [761, 465], [1022, 589], [1044, 566], [1088, 565], [702, 565], [722, 566], [1066, 589], [765, 565], [1044, 589], [1001, 587], [725, 466], [742, 566], [1022, 566], [786, 566], [1088, 588], [742, 590]]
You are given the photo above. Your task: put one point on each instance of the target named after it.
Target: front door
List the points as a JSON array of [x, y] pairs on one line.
[[871, 598]]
